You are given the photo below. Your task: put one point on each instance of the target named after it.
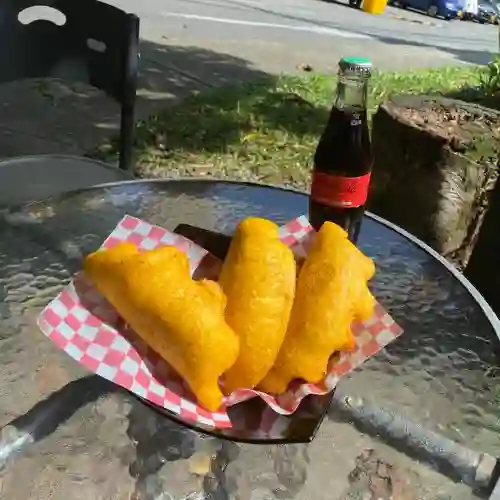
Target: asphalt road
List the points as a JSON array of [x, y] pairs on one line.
[[278, 35]]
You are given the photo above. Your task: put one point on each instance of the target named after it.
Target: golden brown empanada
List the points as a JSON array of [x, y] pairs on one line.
[[181, 319], [331, 293], [258, 277]]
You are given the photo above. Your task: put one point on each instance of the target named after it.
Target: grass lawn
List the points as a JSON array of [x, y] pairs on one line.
[[265, 131]]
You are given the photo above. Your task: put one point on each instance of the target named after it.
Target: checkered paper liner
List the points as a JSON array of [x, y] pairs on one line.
[[85, 326]]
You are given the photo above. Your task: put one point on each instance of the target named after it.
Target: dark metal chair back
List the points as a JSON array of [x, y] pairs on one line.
[[97, 44]]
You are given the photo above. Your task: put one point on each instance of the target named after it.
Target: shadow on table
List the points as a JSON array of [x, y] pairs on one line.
[[158, 440], [47, 415]]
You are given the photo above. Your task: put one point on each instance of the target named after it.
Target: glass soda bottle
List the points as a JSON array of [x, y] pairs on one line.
[[343, 158]]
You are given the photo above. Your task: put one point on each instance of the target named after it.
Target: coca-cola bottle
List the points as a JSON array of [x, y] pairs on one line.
[[343, 158]]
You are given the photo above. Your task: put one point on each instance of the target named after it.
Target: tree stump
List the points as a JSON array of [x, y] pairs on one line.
[[436, 164], [483, 269]]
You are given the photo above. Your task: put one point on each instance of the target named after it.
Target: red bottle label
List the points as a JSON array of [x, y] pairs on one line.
[[337, 191]]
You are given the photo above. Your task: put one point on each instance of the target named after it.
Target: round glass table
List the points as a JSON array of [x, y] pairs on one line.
[[67, 434]]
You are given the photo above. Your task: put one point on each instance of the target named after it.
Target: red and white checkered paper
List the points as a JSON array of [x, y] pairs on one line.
[[84, 325]]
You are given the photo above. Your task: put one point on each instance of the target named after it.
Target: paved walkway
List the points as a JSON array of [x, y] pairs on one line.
[[38, 117]]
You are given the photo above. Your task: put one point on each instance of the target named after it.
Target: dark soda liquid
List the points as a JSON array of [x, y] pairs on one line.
[[343, 150]]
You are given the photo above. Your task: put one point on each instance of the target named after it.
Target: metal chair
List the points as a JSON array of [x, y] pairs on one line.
[[93, 36]]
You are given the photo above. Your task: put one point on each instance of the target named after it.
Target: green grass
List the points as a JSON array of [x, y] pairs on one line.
[[265, 131]]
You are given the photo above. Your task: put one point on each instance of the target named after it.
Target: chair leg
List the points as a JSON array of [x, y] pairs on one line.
[[127, 129], [128, 96]]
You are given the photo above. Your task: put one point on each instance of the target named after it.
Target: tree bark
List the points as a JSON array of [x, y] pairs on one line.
[[436, 164], [483, 269]]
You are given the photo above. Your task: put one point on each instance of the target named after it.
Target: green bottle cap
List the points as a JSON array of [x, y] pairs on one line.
[[357, 65]]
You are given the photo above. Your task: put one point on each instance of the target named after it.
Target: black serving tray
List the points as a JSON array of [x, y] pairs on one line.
[[253, 421]]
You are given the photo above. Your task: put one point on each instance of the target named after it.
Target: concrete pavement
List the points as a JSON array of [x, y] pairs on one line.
[[315, 29]]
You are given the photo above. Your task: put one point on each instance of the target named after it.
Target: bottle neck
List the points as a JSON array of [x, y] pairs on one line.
[[352, 92]]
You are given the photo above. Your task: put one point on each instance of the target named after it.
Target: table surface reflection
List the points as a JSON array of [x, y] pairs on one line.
[[79, 437]]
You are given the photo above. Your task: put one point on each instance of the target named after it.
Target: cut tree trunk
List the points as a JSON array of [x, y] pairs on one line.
[[436, 164], [483, 269]]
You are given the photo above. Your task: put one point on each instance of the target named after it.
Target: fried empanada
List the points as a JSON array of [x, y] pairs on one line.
[[181, 319], [331, 293], [258, 277]]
